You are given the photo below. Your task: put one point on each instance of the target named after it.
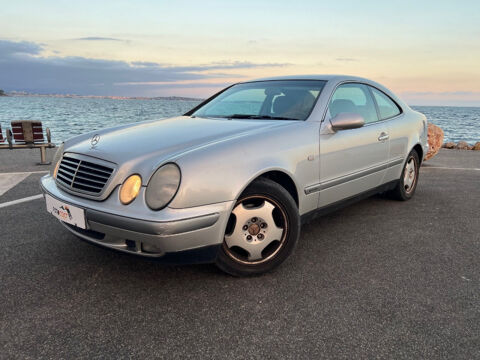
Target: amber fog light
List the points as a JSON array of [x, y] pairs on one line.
[[57, 158], [55, 171], [130, 189]]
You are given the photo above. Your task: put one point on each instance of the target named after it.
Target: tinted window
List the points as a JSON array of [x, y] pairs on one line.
[[353, 98], [286, 99], [386, 106]]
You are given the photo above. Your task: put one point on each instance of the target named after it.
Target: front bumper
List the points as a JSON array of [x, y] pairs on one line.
[[136, 229]]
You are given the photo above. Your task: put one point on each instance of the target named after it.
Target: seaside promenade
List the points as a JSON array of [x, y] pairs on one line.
[[378, 279]]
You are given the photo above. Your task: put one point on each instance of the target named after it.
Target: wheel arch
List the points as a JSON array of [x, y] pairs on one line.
[[418, 148], [281, 178]]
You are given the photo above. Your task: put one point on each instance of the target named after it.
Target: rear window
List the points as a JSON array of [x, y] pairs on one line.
[[386, 106]]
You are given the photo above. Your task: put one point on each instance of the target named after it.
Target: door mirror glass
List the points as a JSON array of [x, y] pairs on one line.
[[345, 121]]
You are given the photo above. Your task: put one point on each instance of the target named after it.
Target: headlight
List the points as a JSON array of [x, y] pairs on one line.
[[56, 160], [130, 189], [163, 186]]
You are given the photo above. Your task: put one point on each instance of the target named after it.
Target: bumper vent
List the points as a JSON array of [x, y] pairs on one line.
[[83, 176]]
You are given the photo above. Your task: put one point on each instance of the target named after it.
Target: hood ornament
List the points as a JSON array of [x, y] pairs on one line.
[[95, 140]]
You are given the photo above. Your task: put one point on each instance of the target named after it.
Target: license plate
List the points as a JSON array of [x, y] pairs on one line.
[[65, 212]]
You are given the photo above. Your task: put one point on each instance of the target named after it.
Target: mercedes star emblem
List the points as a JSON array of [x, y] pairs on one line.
[[95, 140]]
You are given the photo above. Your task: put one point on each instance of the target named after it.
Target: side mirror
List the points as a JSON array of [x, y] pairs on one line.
[[345, 121]]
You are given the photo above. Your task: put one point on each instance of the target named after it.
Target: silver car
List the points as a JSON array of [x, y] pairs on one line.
[[231, 180]]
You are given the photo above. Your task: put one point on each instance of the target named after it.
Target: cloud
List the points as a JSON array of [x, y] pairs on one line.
[[442, 93], [179, 84], [97, 38], [346, 59], [220, 65], [241, 65], [23, 68], [145, 63], [8, 48]]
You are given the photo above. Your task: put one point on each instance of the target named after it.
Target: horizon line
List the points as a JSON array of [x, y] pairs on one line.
[[15, 93]]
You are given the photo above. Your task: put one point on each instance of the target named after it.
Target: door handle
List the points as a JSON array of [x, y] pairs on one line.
[[383, 136]]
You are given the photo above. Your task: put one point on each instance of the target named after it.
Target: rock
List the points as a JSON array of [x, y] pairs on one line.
[[476, 146], [462, 145], [435, 140], [449, 145], [470, 147]]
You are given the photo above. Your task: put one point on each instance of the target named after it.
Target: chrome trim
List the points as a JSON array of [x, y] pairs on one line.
[[62, 184], [334, 182], [383, 136]]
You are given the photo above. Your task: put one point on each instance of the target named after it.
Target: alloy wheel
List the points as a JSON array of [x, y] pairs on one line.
[[410, 175], [257, 230]]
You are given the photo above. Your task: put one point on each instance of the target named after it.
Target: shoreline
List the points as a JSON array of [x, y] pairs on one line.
[[461, 145], [111, 97]]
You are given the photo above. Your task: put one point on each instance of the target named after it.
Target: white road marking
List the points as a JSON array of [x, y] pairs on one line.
[[25, 172], [8, 181], [19, 201], [448, 168]]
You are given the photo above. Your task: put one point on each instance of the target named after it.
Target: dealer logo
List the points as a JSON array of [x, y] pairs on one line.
[[63, 212]]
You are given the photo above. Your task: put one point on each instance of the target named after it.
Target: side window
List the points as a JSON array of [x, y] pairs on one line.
[[353, 98], [386, 106]]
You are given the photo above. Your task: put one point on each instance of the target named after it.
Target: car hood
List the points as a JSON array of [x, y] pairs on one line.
[[162, 140]]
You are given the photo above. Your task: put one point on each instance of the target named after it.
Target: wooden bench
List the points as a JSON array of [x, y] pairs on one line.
[[28, 134], [2, 139]]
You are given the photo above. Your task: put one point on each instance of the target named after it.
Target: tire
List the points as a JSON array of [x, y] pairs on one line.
[[407, 184], [262, 231]]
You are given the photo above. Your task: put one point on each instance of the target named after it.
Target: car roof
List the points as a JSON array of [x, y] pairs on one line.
[[325, 77], [335, 78]]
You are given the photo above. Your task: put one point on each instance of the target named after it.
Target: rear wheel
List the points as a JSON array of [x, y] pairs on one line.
[[407, 184], [262, 230]]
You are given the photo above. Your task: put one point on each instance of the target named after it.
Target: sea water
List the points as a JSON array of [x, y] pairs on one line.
[[67, 117]]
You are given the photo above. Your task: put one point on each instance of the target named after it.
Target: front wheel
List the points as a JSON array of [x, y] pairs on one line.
[[262, 230], [407, 184]]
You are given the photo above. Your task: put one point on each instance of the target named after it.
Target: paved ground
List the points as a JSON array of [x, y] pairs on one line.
[[380, 279]]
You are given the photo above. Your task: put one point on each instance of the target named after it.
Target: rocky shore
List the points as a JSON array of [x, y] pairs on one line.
[[461, 145], [435, 142]]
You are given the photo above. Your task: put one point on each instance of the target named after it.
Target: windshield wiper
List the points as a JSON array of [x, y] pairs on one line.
[[246, 116]]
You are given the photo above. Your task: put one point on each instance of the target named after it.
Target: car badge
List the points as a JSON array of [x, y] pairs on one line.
[[95, 140]]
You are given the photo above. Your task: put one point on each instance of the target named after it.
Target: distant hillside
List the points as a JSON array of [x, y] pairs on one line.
[[24, 93], [175, 98]]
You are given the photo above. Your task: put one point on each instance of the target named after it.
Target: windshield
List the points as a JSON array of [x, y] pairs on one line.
[[275, 99]]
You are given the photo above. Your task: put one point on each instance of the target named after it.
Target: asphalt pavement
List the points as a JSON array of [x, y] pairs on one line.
[[378, 279]]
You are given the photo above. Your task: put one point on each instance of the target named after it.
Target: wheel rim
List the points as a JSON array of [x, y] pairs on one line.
[[410, 175], [258, 228]]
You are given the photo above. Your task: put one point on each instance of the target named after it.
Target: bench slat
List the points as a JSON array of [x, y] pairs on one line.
[[27, 132]]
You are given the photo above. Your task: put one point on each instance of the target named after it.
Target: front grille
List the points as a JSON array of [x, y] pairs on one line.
[[83, 176]]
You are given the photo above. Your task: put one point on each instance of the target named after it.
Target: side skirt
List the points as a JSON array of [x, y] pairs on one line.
[[307, 217]]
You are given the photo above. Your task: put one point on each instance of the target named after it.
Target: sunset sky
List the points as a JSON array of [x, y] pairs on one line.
[[428, 52]]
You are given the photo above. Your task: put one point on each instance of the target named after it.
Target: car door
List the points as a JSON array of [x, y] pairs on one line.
[[391, 113], [352, 161]]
